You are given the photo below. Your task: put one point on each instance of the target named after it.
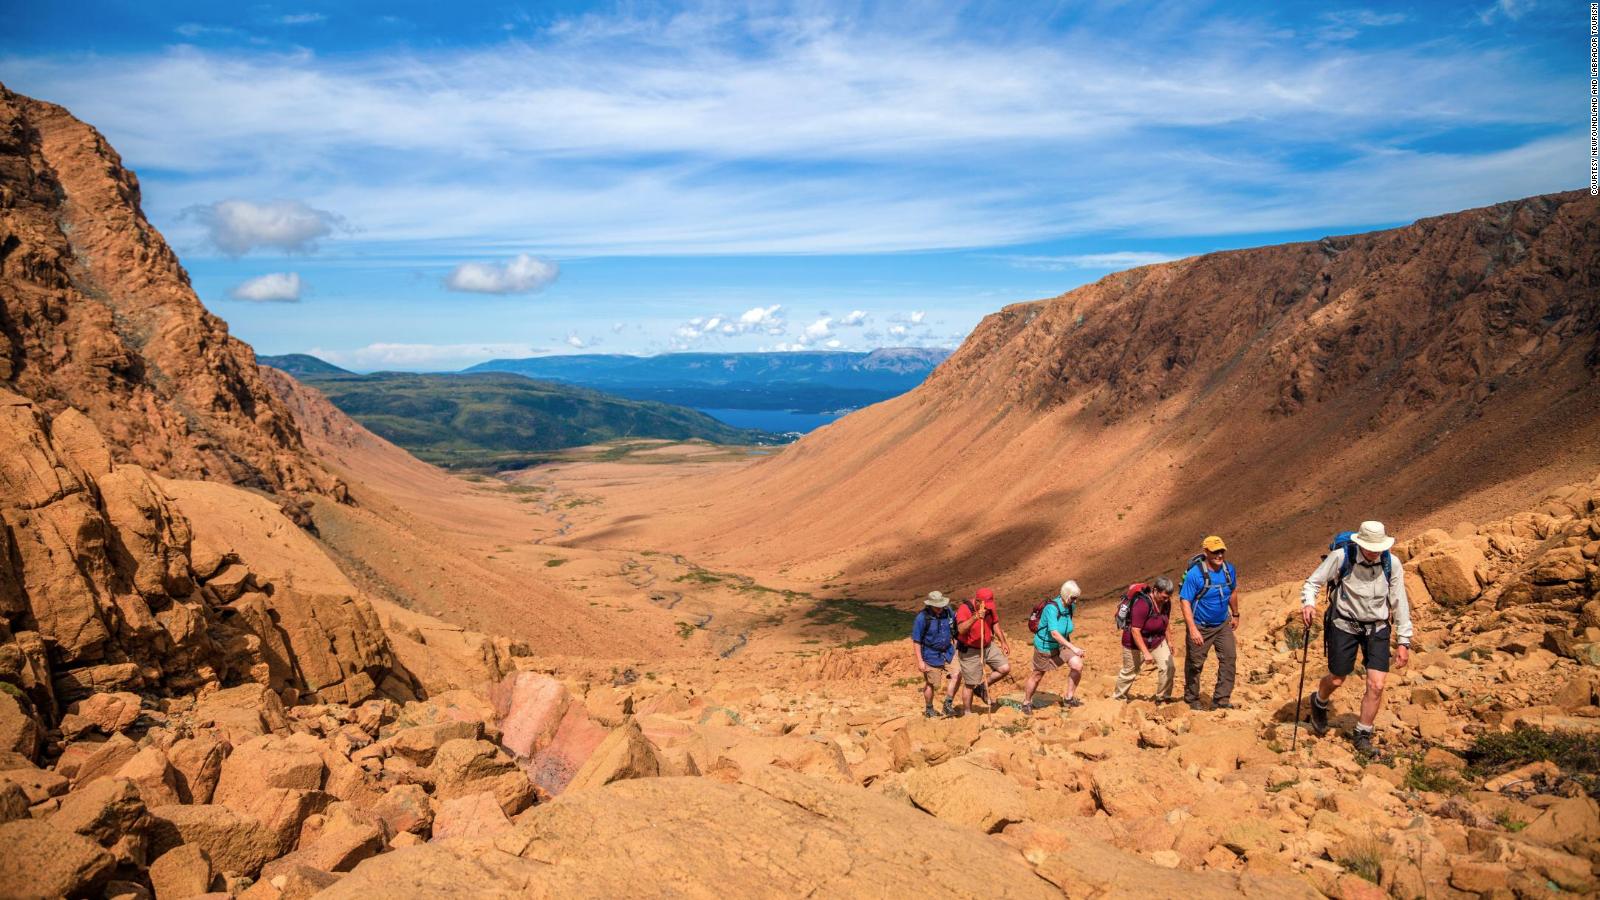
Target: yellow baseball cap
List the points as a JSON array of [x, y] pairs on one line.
[[1213, 543]]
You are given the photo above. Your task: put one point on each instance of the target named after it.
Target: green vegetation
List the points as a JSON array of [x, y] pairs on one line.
[[905, 682], [1423, 777], [699, 576], [1363, 858], [1297, 635], [552, 563], [1576, 754], [1504, 820], [877, 623], [1277, 786], [496, 421], [685, 630]]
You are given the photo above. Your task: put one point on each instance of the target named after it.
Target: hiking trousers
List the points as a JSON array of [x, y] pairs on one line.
[[1132, 659], [1194, 660]]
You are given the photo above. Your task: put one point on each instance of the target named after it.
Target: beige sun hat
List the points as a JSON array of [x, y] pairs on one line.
[[1373, 537], [937, 600]]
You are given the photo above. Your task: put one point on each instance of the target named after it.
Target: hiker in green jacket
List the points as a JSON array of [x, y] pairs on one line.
[[1052, 648]]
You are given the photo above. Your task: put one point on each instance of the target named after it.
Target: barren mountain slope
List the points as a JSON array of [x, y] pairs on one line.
[[96, 313], [1422, 375]]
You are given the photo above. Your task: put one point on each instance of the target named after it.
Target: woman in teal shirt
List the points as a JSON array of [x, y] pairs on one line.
[[1053, 648]]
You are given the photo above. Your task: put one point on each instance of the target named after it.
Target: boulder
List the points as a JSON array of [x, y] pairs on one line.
[[1450, 570], [1147, 790], [565, 751], [110, 712], [405, 808], [196, 767], [183, 871], [106, 812], [282, 810], [623, 754], [531, 707], [1569, 823], [421, 742], [470, 816], [1560, 565], [13, 802], [153, 775], [269, 761], [967, 793], [38, 785], [242, 712], [19, 730], [780, 834], [105, 761], [40, 860], [235, 844], [464, 767]]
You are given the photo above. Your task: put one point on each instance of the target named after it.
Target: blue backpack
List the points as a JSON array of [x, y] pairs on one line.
[[1230, 578], [1344, 542]]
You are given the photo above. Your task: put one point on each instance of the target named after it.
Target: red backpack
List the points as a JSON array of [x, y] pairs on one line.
[[1125, 608], [1037, 615]]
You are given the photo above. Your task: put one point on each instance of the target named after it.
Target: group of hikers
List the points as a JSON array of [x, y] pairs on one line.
[[964, 649]]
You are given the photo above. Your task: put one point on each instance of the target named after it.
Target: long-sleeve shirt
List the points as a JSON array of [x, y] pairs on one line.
[[1364, 595]]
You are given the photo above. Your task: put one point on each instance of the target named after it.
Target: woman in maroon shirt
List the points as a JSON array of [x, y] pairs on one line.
[[1146, 638]]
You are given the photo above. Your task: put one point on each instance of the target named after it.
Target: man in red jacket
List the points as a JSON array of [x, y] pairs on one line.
[[977, 631]]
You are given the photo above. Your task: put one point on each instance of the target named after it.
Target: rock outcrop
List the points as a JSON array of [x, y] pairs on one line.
[[99, 316]]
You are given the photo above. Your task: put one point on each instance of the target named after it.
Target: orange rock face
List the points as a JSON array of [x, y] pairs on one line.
[[99, 315]]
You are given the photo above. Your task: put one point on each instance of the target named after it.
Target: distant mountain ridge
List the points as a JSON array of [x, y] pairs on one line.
[[298, 364], [500, 420], [895, 369]]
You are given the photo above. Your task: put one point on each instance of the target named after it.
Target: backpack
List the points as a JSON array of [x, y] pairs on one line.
[[1125, 608], [1199, 559], [1344, 542], [928, 631], [1036, 618]]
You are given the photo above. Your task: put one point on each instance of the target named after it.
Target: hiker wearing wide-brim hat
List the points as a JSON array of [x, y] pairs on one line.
[[933, 632], [1366, 605]]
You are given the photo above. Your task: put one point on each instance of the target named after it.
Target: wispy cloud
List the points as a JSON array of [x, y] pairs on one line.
[[1116, 260], [274, 287], [522, 274], [302, 19], [432, 357], [709, 131]]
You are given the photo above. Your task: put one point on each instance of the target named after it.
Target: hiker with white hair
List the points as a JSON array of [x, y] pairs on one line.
[[1366, 606], [1051, 624], [933, 632]]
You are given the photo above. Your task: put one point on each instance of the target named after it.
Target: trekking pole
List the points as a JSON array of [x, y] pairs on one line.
[[1305, 653]]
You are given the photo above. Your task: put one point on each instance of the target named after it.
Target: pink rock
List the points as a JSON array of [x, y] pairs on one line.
[[530, 707], [574, 741]]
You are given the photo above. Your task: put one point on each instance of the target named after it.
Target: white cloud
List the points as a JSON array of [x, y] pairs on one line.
[[1113, 260], [302, 19], [819, 330], [424, 357], [834, 344], [762, 318], [523, 274], [274, 287], [708, 132], [855, 319], [238, 226], [898, 331], [575, 341]]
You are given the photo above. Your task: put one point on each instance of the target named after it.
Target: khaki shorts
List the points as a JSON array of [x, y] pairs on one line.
[[936, 676], [972, 663], [1048, 662]]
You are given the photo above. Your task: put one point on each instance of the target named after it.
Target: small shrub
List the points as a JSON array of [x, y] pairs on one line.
[[1296, 636], [1504, 820], [552, 563], [1572, 751], [1423, 777], [1277, 786], [1362, 857], [906, 682], [685, 630]]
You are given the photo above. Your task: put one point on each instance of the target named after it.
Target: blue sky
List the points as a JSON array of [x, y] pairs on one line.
[[424, 186]]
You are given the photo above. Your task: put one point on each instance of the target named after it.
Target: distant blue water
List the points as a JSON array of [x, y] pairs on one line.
[[778, 421]]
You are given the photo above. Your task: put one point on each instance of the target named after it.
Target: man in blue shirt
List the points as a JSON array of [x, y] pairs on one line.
[[934, 634], [1211, 610]]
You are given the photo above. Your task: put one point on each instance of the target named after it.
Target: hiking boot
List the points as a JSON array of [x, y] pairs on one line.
[[1196, 705], [1221, 704], [1027, 709], [1319, 717], [949, 707], [1072, 702], [928, 712], [981, 692], [1362, 741]]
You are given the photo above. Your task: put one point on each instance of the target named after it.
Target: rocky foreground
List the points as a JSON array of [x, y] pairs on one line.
[[195, 702]]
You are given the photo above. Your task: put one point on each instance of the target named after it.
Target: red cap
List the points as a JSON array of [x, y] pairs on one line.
[[985, 595]]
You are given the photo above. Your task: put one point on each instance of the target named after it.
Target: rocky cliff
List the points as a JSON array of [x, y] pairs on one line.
[[97, 314]]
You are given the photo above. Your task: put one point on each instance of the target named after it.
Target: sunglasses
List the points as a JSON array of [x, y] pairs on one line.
[[1216, 552]]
